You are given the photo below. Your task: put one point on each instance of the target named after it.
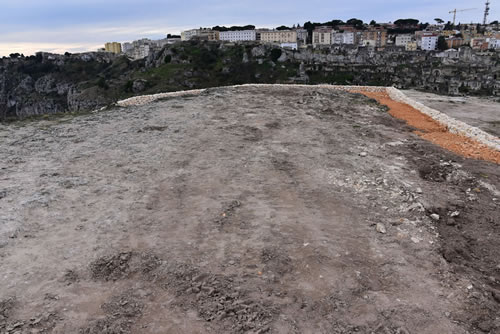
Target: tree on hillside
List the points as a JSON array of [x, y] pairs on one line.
[[355, 22], [372, 22], [449, 26], [438, 21], [442, 45], [283, 28], [234, 28], [406, 22]]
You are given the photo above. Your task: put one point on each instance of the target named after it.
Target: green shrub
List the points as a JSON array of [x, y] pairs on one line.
[[275, 54], [168, 59]]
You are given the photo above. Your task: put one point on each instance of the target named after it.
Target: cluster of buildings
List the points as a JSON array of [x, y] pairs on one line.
[[286, 38], [454, 39], [378, 36], [138, 49]]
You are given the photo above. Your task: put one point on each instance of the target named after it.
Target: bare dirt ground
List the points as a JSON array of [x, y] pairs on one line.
[[481, 112], [430, 129], [244, 210]]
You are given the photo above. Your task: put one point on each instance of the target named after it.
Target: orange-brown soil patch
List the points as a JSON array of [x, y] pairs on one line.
[[435, 132]]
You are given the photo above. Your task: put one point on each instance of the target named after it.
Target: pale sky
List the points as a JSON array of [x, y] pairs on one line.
[[27, 26]]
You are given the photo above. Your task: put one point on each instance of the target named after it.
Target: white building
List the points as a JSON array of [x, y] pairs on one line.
[[493, 43], [238, 35], [293, 46], [188, 34], [403, 40], [346, 37], [429, 42]]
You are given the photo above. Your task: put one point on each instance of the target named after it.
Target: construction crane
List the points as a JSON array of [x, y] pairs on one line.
[[486, 12], [455, 11]]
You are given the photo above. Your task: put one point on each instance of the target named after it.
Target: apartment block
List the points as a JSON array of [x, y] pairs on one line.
[[429, 41], [494, 43], [143, 47], [454, 42], [322, 36], [238, 36], [403, 40], [201, 34], [113, 47], [346, 37], [278, 36], [479, 44], [374, 37]]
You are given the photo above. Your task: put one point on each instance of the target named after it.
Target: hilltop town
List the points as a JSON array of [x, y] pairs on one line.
[[406, 34]]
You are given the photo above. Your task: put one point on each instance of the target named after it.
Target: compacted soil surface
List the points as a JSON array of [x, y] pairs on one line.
[[430, 129], [245, 210], [482, 112]]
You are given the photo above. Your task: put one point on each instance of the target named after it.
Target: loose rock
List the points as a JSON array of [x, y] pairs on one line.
[[381, 228]]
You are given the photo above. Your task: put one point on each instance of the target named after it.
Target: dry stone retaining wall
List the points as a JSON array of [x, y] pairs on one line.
[[453, 125]]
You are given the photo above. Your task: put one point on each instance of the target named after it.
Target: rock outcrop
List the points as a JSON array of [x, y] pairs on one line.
[[49, 83]]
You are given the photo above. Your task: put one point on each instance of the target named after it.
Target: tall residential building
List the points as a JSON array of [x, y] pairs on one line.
[[429, 41], [322, 36], [113, 47], [374, 37], [238, 35], [278, 36]]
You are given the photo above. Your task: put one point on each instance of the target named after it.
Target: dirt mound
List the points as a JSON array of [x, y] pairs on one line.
[[435, 172], [220, 299], [122, 265], [121, 313]]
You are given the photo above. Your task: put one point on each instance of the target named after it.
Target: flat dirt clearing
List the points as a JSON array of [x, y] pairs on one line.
[[481, 112], [244, 210]]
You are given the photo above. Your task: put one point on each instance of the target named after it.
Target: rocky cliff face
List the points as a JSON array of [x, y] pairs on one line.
[[49, 83]]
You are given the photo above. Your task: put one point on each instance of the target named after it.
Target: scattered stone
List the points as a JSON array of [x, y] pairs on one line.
[[485, 326], [381, 228], [419, 191], [363, 154], [435, 216], [415, 240], [455, 214]]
